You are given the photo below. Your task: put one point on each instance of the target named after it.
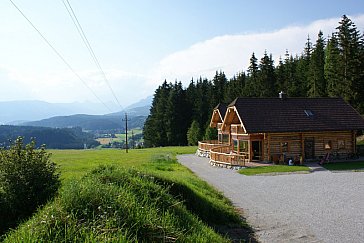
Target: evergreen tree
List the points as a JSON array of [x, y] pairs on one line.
[[266, 76], [154, 127], [219, 85], [316, 78], [234, 88], [210, 133], [349, 46], [335, 84], [252, 86], [193, 133]]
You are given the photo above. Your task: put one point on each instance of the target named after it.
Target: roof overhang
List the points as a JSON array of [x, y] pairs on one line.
[[232, 117], [216, 118]]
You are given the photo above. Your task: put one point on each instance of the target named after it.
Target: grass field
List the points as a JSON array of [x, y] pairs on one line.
[[141, 196], [119, 137], [273, 169], [75, 163], [354, 165]]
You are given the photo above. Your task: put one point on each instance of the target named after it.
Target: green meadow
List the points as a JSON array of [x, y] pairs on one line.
[[145, 195]]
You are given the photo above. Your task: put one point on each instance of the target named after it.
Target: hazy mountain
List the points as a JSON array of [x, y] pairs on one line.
[[16, 112], [113, 121], [142, 103]]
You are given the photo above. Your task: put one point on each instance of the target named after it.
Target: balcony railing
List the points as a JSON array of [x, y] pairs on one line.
[[204, 147], [222, 155]]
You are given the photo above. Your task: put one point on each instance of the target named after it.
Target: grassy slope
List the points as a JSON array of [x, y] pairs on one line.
[[208, 207], [272, 169]]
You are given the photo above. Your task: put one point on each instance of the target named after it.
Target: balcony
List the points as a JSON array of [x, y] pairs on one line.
[[204, 147], [223, 156]]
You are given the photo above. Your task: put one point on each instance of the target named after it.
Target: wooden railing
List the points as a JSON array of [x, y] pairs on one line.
[[208, 144], [223, 155]]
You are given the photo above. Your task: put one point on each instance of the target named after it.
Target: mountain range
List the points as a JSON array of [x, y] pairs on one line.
[[65, 115]]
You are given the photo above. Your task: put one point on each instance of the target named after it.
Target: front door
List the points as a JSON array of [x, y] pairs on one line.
[[256, 150], [309, 148]]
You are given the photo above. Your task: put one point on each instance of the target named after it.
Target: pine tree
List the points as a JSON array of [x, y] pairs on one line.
[[252, 86], [193, 133], [266, 76], [316, 78], [335, 84], [349, 46]]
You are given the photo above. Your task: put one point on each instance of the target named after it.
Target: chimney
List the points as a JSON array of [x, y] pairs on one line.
[[282, 95]]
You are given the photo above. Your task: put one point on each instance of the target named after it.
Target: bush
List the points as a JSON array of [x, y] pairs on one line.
[[28, 179]]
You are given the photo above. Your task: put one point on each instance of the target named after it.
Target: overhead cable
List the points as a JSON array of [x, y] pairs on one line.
[[82, 34], [59, 55]]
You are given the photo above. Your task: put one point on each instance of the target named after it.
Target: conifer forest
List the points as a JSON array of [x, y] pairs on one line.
[[330, 65]]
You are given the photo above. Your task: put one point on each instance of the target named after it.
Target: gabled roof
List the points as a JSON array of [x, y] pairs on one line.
[[296, 114], [218, 115], [222, 110]]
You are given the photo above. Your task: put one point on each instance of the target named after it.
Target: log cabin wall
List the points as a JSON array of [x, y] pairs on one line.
[[293, 144]]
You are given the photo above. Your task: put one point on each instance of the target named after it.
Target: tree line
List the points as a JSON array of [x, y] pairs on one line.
[[329, 67]]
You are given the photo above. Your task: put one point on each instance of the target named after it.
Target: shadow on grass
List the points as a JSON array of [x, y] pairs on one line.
[[226, 222]]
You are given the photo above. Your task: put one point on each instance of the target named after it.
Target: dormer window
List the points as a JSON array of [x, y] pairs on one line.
[[308, 113]]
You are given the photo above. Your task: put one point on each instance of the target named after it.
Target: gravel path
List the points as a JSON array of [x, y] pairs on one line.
[[316, 207]]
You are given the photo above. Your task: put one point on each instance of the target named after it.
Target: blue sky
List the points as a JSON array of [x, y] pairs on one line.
[[141, 43]]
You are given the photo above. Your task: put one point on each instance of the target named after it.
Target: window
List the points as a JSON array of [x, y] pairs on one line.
[[235, 143], [340, 144], [219, 137], [284, 147], [328, 144], [308, 113], [243, 146], [225, 138]]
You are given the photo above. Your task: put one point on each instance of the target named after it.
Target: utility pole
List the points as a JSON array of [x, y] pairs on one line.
[[132, 138], [126, 132]]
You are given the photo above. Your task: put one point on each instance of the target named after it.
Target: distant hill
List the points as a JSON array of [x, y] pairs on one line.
[[17, 112], [136, 117], [39, 113], [54, 138]]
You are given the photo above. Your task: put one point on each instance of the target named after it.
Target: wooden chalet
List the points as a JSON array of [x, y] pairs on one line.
[[278, 129]]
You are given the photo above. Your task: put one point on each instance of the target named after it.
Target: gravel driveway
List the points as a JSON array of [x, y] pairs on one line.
[[316, 207]]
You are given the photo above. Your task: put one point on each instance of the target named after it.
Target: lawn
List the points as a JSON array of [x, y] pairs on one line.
[[272, 169], [145, 195], [76, 163], [350, 165]]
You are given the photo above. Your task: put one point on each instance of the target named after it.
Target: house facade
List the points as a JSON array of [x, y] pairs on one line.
[[279, 129]]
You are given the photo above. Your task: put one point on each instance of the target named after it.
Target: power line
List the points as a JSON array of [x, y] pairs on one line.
[[59, 55], [88, 46]]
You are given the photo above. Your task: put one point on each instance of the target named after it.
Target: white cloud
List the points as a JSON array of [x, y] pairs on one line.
[[231, 53]]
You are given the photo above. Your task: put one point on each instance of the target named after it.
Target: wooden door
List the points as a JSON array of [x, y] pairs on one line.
[[309, 148]]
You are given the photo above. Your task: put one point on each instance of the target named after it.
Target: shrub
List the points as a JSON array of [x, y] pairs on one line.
[[28, 179]]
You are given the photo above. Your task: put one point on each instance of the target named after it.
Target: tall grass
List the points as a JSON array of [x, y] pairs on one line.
[[142, 196], [115, 205]]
